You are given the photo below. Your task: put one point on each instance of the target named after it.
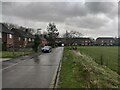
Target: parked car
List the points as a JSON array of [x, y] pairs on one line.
[[47, 49]]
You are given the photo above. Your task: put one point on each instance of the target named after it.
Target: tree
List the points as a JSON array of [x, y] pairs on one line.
[[36, 43], [66, 35], [52, 33], [72, 34]]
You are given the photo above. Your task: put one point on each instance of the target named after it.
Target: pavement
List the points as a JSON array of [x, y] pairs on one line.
[[4, 59], [37, 71]]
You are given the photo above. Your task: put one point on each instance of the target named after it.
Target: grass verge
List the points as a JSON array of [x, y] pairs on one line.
[[8, 54], [81, 71]]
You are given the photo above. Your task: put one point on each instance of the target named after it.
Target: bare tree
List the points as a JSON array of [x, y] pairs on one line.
[[73, 34], [52, 33]]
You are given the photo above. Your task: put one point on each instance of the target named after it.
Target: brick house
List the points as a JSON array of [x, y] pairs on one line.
[[84, 41], [30, 38], [6, 36], [105, 41], [22, 38], [81, 41]]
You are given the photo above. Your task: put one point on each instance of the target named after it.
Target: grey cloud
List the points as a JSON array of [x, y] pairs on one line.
[[99, 7], [56, 11], [91, 16], [89, 22], [44, 11], [109, 8]]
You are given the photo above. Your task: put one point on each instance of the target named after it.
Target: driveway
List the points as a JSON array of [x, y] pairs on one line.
[[36, 72]]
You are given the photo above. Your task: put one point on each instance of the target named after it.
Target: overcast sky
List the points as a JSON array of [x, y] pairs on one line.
[[92, 19]]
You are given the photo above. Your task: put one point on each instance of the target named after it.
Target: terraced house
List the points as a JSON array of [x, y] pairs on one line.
[[83, 41], [22, 38], [15, 38], [105, 41]]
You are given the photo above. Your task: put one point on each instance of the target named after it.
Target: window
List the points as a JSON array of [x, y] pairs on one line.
[[10, 35], [19, 38], [32, 39], [0, 35], [25, 39], [111, 41], [86, 41], [29, 39], [102, 40]]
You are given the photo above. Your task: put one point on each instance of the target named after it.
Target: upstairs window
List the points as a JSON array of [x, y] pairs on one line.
[[19, 38], [25, 39], [10, 35], [29, 39]]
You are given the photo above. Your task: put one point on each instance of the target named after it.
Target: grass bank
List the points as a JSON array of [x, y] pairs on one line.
[[81, 71], [108, 55]]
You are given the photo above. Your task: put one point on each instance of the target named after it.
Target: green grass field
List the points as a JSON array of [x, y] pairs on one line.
[[84, 71], [109, 55]]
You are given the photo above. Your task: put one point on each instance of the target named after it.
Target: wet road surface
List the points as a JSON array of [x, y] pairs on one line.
[[35, 72]]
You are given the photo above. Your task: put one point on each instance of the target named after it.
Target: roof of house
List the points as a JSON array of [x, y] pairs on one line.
[[22, 33], [80, 38], [104, 38], [86, 38], [4, 29], [30, 35]]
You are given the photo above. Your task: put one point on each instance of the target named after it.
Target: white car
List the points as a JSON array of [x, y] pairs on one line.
[[46, 49]]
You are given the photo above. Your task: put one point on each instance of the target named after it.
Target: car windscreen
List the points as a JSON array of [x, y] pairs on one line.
[[47, 47]]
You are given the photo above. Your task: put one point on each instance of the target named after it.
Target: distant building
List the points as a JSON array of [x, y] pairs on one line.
[[117, 41], [105, 41], [59, 41], [76, 41], [85, 41]]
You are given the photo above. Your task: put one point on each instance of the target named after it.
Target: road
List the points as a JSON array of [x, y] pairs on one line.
[[36, 72]]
